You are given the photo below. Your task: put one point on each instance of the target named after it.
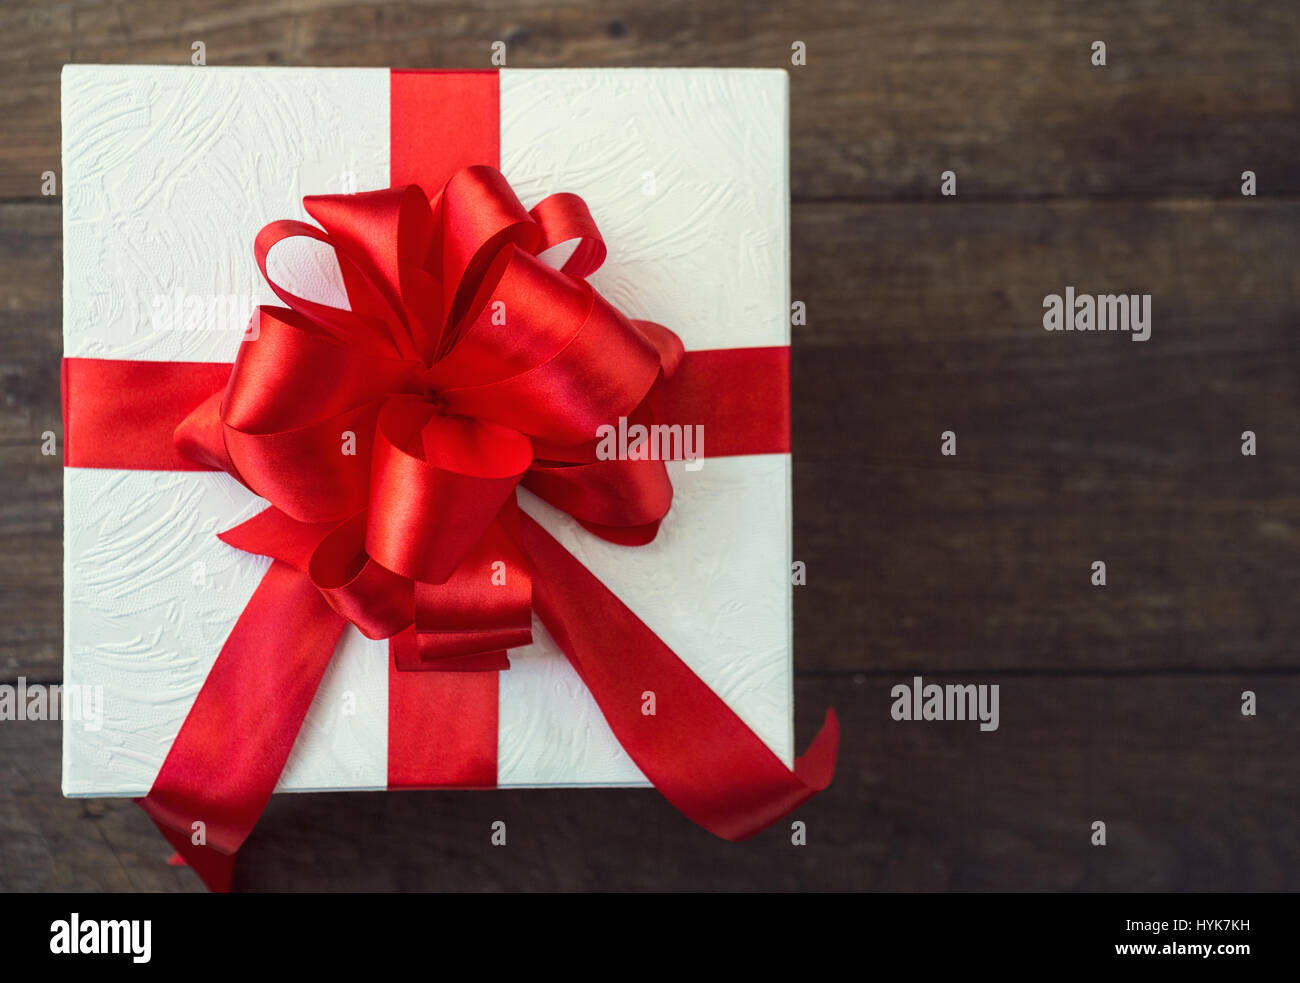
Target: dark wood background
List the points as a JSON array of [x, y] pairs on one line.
[[1120, 704]]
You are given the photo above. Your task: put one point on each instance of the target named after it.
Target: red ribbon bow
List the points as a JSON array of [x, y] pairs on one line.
[[389, 439]]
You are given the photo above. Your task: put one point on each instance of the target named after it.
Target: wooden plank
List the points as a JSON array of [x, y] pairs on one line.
[[1070, 448], [31, 483], [972, 276], [893, 93], [1195, 796]]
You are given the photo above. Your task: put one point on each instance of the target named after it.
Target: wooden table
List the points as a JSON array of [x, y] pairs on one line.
[[1119, 703]]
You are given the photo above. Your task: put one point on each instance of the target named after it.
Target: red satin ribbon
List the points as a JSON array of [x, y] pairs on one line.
[[389, 439], [126, 412], [232, 747], [695, 750]]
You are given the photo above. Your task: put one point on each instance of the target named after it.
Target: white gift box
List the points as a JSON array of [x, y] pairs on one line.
[[169, 173]]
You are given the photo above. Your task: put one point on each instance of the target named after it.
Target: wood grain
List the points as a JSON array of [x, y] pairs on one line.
[[893, 92], [1071, 448], [1118, 703], [1191, 801]]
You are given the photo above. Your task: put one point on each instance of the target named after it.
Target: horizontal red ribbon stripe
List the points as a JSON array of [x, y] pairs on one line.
[[126, 411], [754, 416]]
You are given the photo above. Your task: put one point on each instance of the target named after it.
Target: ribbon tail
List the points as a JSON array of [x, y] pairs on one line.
[[215, 869], [228, 756], [697, 752]]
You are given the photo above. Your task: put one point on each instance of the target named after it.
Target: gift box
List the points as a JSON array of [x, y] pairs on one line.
[[175, 180]]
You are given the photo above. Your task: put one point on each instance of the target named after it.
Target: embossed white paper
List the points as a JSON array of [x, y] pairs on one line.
[[168, 175]]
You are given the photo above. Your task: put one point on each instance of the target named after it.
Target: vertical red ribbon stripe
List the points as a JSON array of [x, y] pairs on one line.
[[440, 122], [442, 727]]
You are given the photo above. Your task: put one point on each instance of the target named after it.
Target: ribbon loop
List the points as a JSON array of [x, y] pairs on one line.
[[478, 215], [565, 217], [371, 322], [387, 236], [582, 365], [437, 483]]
